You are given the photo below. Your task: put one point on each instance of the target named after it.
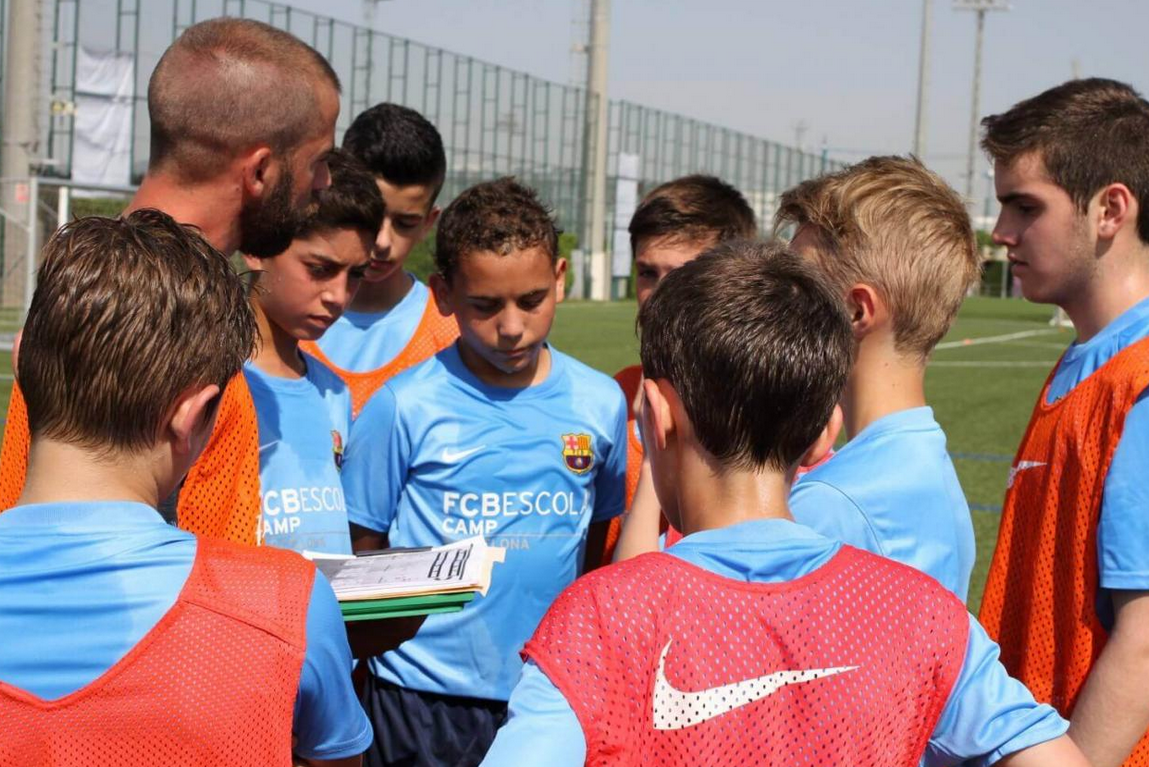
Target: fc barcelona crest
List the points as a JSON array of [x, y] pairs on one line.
[[337, 448], [578, 452]]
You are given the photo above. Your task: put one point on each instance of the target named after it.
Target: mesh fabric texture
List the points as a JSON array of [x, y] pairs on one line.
[[433, 334], [1043, 580], [669, 664], [213, 683]]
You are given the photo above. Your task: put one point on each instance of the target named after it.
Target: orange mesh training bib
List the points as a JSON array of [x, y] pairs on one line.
[[1039, 597], [219, 497], [14, 453], [213, 683], [665, 663], [433, 334]]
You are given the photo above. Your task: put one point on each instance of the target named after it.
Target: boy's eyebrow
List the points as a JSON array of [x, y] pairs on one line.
[[477, 297], [1009, 197], [326, 259]]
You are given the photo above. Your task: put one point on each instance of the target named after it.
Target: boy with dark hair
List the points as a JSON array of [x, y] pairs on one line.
[[499, 435], [392, 323], [127, 641], [895, 241], [754, 640], [304, 409], [671, 226], [1068, 589]]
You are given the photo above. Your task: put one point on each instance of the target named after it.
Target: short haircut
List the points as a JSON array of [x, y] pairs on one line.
[[1088, 134], [399, 145], [890, 223], [690, 209], [500, 216], [352, 201], [227, 85], [127, 315], [758, 347]]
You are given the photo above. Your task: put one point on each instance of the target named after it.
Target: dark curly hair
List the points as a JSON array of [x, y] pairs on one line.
[[499, 216]]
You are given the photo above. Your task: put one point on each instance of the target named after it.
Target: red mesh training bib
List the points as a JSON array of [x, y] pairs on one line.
[[1039, 597], [434, 334], [213, 683], [666, 663], [220, 496]]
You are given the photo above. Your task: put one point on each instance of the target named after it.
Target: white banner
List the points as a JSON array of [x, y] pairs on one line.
[[102, 152], [625, 202]]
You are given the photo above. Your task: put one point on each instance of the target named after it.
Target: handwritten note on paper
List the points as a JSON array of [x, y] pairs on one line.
[[462, 566]]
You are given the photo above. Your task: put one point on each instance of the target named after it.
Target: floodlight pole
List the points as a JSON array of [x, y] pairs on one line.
[[923, 81], [980, 6], [597, 114]]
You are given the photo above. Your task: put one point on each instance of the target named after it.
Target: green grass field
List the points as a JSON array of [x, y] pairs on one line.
[[981, 386]]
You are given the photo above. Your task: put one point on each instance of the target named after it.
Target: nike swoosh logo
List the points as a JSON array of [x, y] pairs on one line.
[[450, 456], [1020, 467], [268, 445], [676, 709]]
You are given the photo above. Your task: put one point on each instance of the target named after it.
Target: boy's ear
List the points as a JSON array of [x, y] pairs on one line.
[[1117, 206], [253, 263], [560, 280], [192, 418], [825, 441], [432, 217], [442, 293], [258, 172], [866, 308], [657, 416]]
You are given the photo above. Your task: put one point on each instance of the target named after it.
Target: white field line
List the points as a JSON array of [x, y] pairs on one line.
[[995, 339]]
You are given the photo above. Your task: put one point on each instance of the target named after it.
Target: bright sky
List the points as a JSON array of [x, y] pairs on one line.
[[846, 68]]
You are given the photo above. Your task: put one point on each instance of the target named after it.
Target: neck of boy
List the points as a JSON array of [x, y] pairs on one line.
[[201, 205], [1120, 282], [91, 475], [277, 353], [532, 374], [883, 381], [712, 496], [379, 297]]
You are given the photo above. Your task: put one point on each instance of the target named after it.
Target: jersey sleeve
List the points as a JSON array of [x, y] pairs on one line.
[[329, 721], [375, 466], [1123, 530], [541, 727], [827, 510], [989, 714], [610, 482]]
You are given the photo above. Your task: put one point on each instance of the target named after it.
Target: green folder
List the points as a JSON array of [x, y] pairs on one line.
[[404, 607]]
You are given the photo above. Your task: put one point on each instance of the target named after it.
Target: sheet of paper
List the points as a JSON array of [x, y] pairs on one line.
[[461, 566]]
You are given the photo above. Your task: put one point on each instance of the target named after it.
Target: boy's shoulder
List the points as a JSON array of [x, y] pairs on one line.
[[417, 380], [589, 381]]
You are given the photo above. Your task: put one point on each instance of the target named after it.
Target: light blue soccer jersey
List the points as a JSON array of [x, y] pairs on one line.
[[988, 716], [1123, 530], [303, 425], [436, 456], [366, 341], [114, 569], [893, 490]]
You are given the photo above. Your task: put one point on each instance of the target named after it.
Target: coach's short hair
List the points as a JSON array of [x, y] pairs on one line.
[[499, 216], [127, 315], [890, 223], [694, 208], [1088, 134], [399, 145], [758, 347], [352, 201], [227, 85]]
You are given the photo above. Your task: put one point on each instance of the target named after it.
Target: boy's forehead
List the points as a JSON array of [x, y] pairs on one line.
[[407, 199], [807, 242], [518, 270], [669, 247]]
